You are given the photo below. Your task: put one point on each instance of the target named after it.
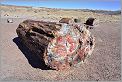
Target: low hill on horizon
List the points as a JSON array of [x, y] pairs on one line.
[[107, 12]]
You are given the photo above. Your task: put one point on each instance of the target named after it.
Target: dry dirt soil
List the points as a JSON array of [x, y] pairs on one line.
[[17, 63]]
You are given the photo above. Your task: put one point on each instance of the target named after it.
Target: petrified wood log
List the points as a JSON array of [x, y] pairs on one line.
[[66, 20], [90, 21], [59, 45]]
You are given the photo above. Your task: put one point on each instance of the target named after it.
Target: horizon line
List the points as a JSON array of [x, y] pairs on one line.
[[59, 8]]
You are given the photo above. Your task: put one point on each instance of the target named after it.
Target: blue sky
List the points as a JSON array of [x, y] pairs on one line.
[[68, 4]]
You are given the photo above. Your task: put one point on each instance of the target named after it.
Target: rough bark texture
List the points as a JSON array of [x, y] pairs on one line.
[[37, 34], [59, 45], [66, 20]]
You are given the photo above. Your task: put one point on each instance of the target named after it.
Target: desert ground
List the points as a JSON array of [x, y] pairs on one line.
[[18, 63]]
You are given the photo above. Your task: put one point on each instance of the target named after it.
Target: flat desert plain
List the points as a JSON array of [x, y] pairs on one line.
[[17, 62]]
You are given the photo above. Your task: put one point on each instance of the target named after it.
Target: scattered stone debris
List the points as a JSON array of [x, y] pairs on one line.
[[35, 11], [9, 20], [77, 20], [61, 45], [6, 15], [17, 16]]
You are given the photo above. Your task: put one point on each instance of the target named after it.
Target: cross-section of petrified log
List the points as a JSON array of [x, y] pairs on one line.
[[60, 45]]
